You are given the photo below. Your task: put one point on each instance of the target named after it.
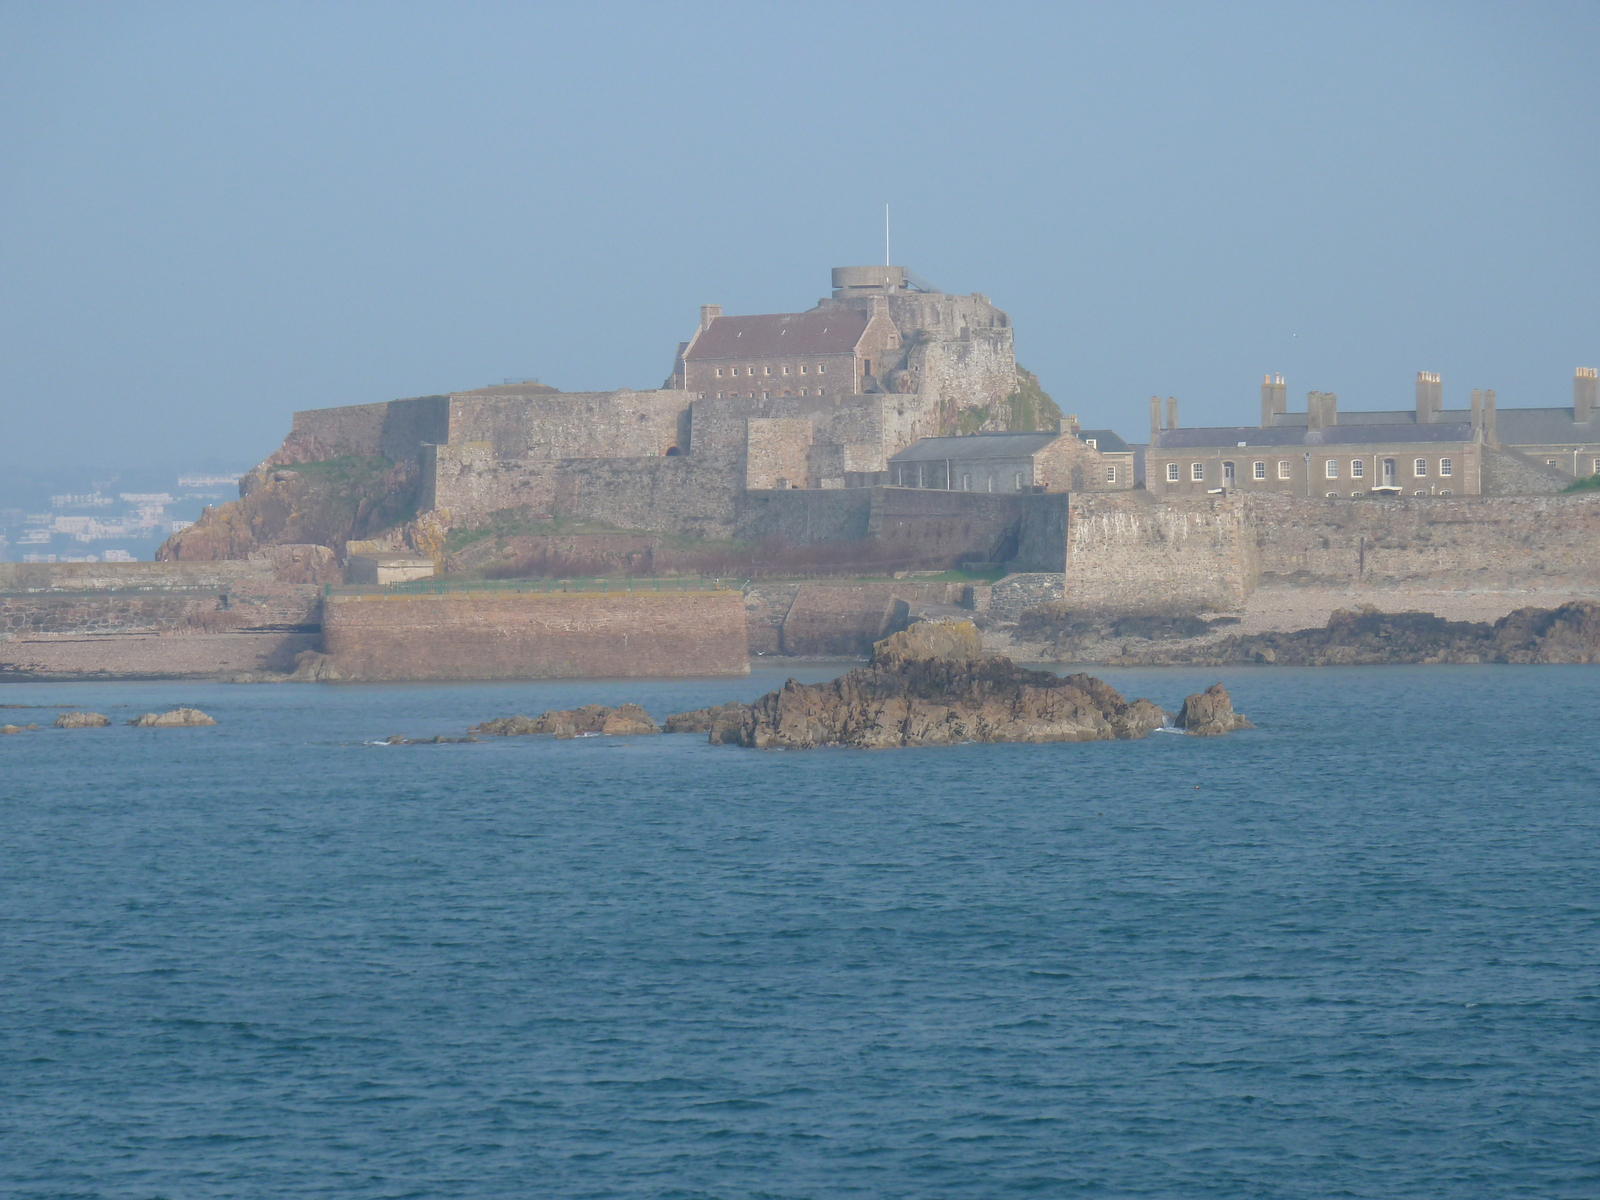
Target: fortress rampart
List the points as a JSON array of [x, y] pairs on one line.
[[494, 634], [1133, 551]]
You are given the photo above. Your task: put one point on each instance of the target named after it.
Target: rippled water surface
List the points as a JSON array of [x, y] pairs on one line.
[[1352, 953]]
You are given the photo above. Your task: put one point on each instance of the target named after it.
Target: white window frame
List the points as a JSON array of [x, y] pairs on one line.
[[1358, 468], [1419, 469], [1111, 474], [1019, 481], [1174, 473], [1284, 469], [1197, 472], [1447, 467], [802, 368], [966, 483], [786, 370], [1330, 469], [1092, 443], [822, 368], [1258, 471], [719, 372]]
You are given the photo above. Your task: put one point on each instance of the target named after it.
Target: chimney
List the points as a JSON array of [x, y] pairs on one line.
[[1490, 436], [1274, 400], [1585, 394], [1477, 414], [708, 314], [1430, 398], [1321, 410], [1155, 416], [1172, 412], [1071, 425], [1330, 409]]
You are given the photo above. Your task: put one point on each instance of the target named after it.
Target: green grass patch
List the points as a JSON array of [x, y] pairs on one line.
[[1589, 484]]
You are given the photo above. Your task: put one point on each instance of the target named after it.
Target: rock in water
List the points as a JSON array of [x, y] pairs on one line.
[[82, 720], [932, 685], [1209, 713], [172, 719], [566, 723], [721, 722]]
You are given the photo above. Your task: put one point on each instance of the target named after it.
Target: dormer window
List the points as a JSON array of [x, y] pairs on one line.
[[1092, 443]]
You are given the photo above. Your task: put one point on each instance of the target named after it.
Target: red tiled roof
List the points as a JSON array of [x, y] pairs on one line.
[[832, 331]]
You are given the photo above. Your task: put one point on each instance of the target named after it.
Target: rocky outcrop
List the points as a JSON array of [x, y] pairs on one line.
[[590, 719], [82, 720], [721, 721], [176, 718], [1209, 713], [320, 503], [30, 727], [399, 739], [932, 685]]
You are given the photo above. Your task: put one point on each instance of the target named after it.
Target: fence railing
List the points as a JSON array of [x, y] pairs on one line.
[[620, 585]]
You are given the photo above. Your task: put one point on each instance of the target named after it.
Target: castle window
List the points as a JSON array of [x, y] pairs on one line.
[[786, 370], [966, 483], [1172, 472], [766, 395], [822, 368], [822, 391], [1330, 469], [1259, 471], [1283, 468], [719, 372], [1357, 468], [1019, 481], [1446, 467], [1597, 466], [1447, 492], [802, 391], [1111, 475], [1357, 495], [766, 370], [1197, 471], [1549, 462], [1420, 468], [1333, 495], [802, 368]]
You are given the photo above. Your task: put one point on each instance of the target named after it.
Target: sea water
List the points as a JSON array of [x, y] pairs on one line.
[[1351, 953]]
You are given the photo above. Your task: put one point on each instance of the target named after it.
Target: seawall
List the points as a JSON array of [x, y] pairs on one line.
[[506, 634]]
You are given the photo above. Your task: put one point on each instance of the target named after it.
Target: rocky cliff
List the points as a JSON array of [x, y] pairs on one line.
[[325, 503]]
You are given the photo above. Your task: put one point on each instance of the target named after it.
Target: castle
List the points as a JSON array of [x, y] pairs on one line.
[[817, 400]]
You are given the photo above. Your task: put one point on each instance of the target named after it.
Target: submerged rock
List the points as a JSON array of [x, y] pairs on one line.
[[399, 739], [30, 727], [932, 685], [175, 718], [566, 723], [1209, 713], [82, 720]]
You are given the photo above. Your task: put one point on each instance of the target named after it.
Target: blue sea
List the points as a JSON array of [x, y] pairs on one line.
[[1355, 952]]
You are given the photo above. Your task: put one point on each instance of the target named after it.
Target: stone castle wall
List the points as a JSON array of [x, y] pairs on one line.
[[543, 424], [528, 635], [777, 450], [81, 577], [396, 430], [1133, 551]]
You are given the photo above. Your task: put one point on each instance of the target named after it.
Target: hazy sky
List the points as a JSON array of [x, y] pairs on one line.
[[214, 214]]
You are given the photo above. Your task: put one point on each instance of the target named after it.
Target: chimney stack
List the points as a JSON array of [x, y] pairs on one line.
[[708, 314], [1430, 396], [1585, 394], [1322, 410], [1490, 435], [1155, 416], [1172, 412], [1477, 414], [1274, 400]]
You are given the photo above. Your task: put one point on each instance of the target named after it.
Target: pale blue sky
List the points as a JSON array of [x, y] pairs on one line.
[[214, 214]]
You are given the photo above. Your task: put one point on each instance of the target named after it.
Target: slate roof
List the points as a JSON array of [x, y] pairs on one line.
[[1245, 437], [978, 445], [1105, 440], [831, 331], [1513, 426]]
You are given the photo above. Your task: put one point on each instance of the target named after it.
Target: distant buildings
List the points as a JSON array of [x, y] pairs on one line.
[[1427, 450]]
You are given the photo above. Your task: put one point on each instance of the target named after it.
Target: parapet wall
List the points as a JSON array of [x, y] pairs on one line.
[[87, 577], [395, 430], [535, 635]]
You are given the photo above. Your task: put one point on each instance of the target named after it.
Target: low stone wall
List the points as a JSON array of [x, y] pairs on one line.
[[100, 612], [1015, 594], [1132, 551], [502, 634], [83, 577]]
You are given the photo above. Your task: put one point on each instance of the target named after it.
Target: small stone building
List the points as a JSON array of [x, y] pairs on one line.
[[1014, 462]]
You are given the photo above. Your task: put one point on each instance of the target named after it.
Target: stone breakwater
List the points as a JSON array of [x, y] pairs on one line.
[[932, 685]]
